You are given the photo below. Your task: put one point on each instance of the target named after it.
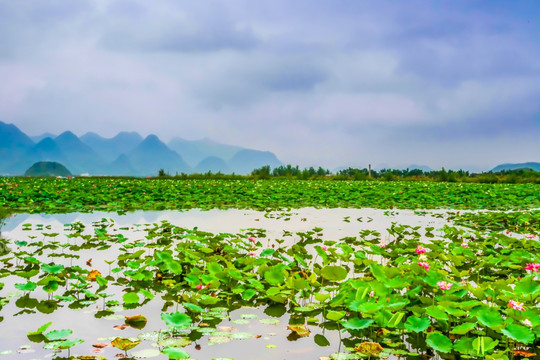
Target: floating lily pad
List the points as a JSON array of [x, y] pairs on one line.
[[58, 334], [151, 335], [145, 353], [249, 316], [174, 342], [343, 356], [213, 340], [241, 335], [175, 353]]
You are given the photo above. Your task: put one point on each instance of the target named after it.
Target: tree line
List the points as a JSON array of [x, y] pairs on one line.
[[519, 176]]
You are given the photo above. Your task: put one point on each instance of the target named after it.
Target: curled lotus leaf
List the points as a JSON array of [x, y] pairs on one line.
[[300, 329], [369, 348], [136, 321], [125, 343]]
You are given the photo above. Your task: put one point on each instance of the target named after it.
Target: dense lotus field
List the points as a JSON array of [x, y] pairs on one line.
[[117, 194], [468, 289]]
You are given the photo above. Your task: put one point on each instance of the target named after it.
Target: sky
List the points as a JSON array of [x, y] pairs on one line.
[[452, 84]]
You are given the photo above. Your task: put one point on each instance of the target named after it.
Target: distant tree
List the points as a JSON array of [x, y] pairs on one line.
[[261, 173]]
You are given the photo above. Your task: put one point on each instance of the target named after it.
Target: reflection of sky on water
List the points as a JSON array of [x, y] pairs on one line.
[[336, 224], [331, 220]]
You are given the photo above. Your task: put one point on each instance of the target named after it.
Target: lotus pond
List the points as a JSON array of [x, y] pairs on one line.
[[295, 284]]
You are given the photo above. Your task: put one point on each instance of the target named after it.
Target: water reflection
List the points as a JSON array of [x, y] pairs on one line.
[[94, 317]]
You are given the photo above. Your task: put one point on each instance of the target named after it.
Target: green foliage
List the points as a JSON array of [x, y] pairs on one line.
[[353, 285], [119, 194]]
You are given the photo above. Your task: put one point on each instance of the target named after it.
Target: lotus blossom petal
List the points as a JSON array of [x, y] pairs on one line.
[[443, 285], [420, 249], [515, 305]]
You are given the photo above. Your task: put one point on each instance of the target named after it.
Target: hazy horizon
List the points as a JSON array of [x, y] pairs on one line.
[[443, 84]]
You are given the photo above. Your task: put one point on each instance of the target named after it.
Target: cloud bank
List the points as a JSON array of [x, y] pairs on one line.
[[332, 83]]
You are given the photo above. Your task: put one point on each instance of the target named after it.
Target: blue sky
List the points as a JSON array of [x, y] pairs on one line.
[[332, 83]]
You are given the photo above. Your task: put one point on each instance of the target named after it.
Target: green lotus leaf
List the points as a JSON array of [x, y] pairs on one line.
[[131, 298], [519, 333], [462, 329], [176, 320], [416, 324], [357, 324], [41, 329], [175, 353], [464, 346], [192, 307], [489, 317], [275, 275], [29, 286], [527, 286], [436, 312], [334, 272], [53, 268], [58, 334], [248, 294], [483, 345], [439, 342]]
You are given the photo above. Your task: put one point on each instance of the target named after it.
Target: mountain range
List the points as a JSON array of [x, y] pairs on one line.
[[127, 153], [528, 165]]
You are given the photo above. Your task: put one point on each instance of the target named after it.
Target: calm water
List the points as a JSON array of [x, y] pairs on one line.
[[336, 224]]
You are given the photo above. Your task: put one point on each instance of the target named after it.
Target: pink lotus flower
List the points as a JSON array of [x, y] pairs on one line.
[[464, 244], [252, 239], [324, 248], [252, 253], [443, 285], [420, 249], [527, 322], [425, 265], [199, 287], [372, 293], [382, 245], [533, 267], [516, 305], [531, 236]]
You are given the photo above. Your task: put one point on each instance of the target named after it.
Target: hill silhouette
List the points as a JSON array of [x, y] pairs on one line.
[[47, 168], [127, 153], [213, 164], [152, 154], [528, 165]]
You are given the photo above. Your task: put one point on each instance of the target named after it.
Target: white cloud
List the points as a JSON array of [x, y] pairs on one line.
[[335, 82]]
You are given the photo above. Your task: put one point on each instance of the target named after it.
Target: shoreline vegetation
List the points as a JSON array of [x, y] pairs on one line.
[[518, 176]]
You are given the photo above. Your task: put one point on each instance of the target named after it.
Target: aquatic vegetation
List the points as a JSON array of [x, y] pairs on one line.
[[470, 288], [477, 300], [125, 194]]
